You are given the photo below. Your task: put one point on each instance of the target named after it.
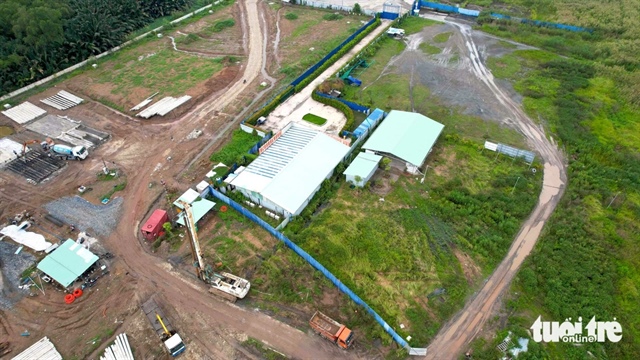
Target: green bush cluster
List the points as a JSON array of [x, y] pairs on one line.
[[332, 17], [283, 95], [337, 55], [340, 106], [291, 16], [221, 25]]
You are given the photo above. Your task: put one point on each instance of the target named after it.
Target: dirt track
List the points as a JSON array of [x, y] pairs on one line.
[[456, 335], [188, 296]]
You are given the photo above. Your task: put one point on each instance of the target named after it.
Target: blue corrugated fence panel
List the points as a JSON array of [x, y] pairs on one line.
[[439, 7], [313, 262], [474, 13], [388, 15]]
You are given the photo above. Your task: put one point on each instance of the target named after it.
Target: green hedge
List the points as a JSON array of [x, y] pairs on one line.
[[345, 49], [253, 119], [348, 126]]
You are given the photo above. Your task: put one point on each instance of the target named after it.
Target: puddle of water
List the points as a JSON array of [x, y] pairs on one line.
[[6, 131]]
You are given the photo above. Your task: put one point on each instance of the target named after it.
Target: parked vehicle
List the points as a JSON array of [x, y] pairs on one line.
[[163, 328], [68, 152], [332, 330]]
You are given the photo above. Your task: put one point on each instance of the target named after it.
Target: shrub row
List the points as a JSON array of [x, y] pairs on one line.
[[253, 119], [340, 106], [348, 46]]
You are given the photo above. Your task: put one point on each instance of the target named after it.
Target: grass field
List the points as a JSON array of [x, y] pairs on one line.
[[306, 37], [161, 69], [586, 262], [397, 254], [314, 119]]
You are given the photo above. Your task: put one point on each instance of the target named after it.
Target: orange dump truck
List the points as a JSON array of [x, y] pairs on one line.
[[332, 330]]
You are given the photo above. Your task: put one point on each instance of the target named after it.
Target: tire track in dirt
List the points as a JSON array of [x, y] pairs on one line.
[[452, 339], [186, 295]]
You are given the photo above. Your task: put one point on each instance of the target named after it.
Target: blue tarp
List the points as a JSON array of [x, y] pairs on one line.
[[353, 81], [371, 121]]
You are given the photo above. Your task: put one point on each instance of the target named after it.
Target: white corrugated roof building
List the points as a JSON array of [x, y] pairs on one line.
[[290, 171]]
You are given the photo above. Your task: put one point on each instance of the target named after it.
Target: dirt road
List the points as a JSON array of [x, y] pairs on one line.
[[188, 296], [456, 335]]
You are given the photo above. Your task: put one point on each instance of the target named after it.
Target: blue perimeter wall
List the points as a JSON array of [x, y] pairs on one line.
[[331, 53], [475, 13], [308, 258]]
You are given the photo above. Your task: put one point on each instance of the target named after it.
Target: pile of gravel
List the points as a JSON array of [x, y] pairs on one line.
[[85, 216], [12, 266]]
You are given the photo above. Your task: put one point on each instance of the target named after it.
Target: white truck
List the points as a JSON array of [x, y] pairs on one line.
[[163, 328], [69, 153]]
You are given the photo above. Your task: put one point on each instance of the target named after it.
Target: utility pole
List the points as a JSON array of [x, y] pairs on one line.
[[614, 199], [514, 186]]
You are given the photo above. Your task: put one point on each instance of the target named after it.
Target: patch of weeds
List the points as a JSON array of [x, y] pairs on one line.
[[115, 189], [332, 17], [291, 16], [314, 119], [241, 142], [442, 37], [106, 177], [186, 40], [223, 24], [430, 49], [507, 44]]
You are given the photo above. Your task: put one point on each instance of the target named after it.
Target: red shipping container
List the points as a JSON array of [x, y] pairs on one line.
[[153, 229]]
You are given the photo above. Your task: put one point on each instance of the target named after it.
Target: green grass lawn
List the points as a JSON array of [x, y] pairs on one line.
[[442, 37], [430, 49], [314, 119]]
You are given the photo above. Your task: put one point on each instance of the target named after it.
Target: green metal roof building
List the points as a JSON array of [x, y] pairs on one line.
[[364, 166], [66, 263], [405, 135]]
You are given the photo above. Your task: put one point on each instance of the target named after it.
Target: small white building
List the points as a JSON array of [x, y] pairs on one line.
[[291, 169], [363, 166]]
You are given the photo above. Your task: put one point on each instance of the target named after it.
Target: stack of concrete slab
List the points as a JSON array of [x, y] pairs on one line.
[[120, 350], [62, 100], [68, 130], [164, 106], [24, 113]]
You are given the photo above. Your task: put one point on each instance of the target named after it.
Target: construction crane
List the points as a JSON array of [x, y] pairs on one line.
[[225, 285]]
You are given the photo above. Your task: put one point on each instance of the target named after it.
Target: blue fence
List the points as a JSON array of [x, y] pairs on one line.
[[313, 262], [254, 149], [350, 104], [389, 15], [475, 13], [315, 67]]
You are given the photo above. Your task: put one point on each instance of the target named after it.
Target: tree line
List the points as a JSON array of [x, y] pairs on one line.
[[41, 37]]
